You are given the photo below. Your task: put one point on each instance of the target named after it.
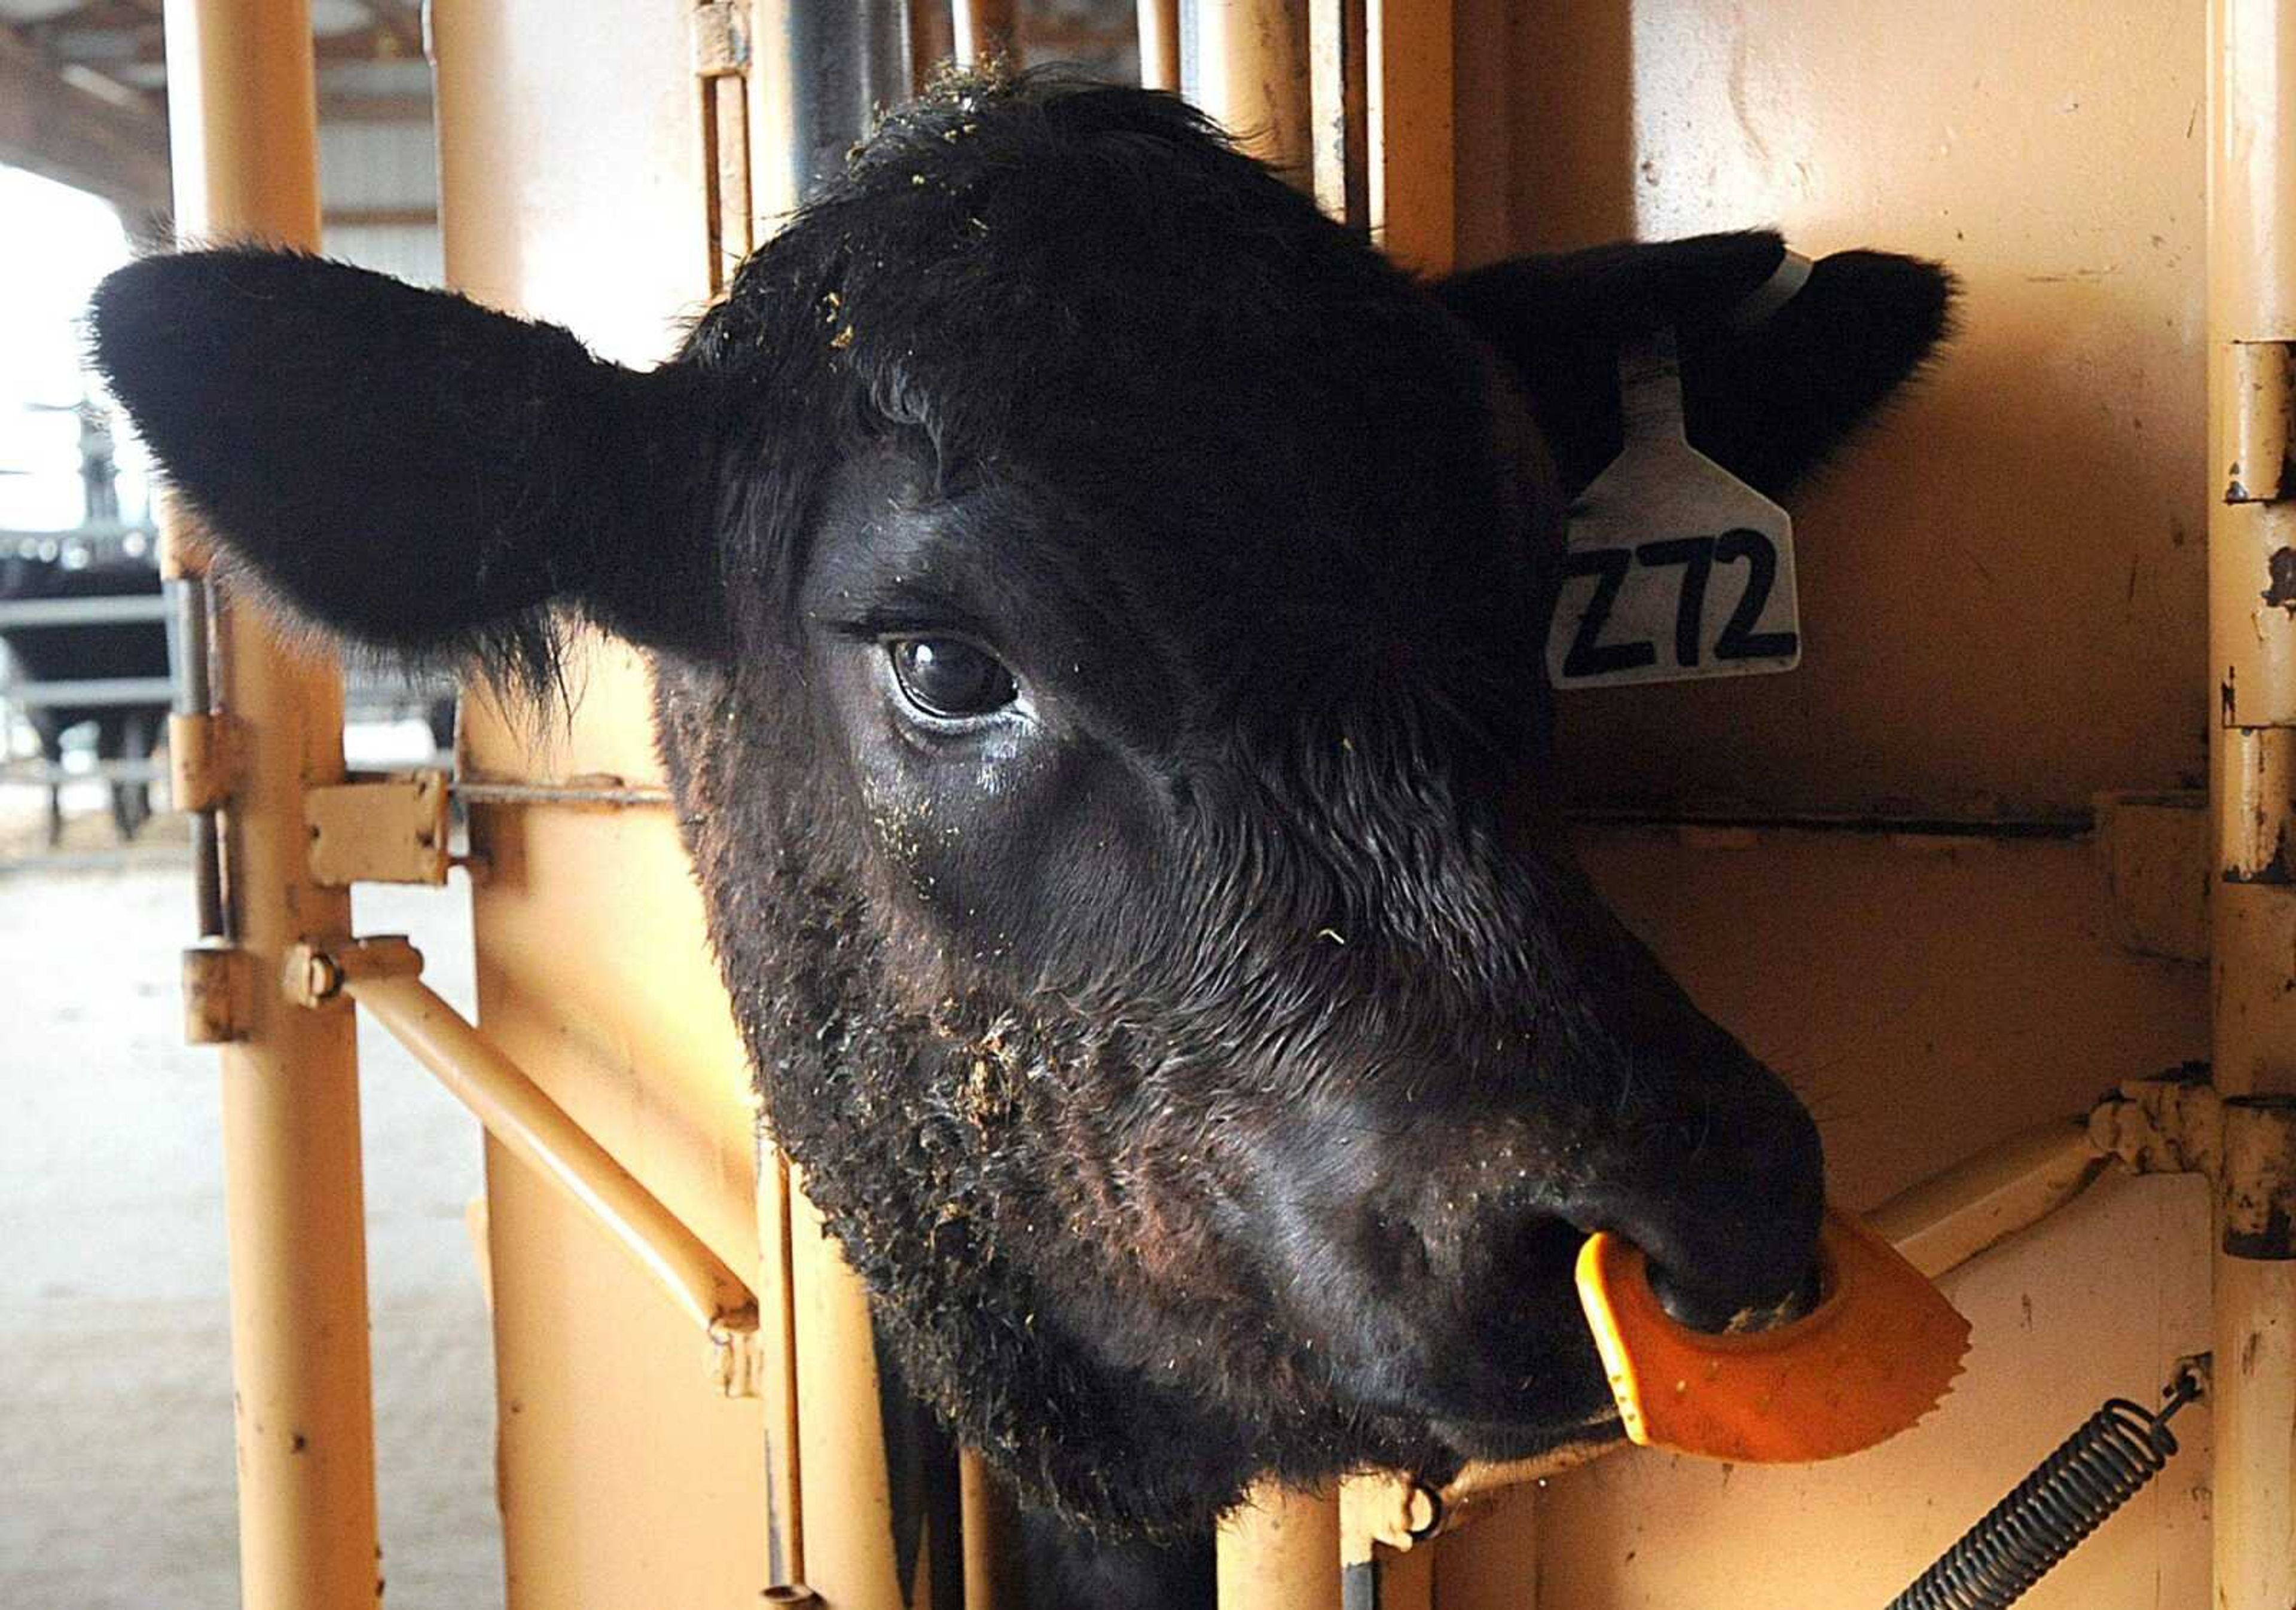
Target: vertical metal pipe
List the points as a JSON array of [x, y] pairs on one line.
[[777, 1329], [987, 30], [932, 39], [243, 122], [989, 1524], [1245, 63], [847, 1497], [1281, 1551], [2252, 645], [1160, 44], [820, 71], [195, 696], [1337, 120], [823, 69], [1410, 189]]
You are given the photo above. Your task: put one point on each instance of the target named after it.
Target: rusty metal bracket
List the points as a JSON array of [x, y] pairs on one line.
[[1390, 1509], [218, 995], [2245, 1144], [317, 972], [380, 829], [2258, 1180], [2263, 416], [2169, 1125]]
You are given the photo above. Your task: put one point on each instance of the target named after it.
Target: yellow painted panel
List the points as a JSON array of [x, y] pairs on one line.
[[1926, 998], [2002, 589], [572, 170]]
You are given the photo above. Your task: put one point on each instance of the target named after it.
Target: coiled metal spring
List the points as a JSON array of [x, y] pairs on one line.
[[2093, 1473]]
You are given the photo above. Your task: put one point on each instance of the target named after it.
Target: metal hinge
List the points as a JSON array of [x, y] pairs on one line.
[[204, 755], [218, 995], [315, 971], [2263, 420]]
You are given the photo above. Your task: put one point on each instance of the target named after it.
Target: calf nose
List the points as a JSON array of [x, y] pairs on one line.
[[1724, 1195]]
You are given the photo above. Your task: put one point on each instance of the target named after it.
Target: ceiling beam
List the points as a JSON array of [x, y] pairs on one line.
[[56, 128]]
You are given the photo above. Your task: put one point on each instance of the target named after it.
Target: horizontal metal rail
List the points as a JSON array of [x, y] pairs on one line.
[[101, 692], [614, 795], [2063, 824], [28, 613], [1945, 1221], [94, 531], [47, 775]]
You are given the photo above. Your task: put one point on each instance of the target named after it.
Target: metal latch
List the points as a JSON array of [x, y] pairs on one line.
[[380, 829]]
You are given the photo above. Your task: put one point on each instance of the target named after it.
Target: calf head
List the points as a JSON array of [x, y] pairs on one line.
[[1097, 609]]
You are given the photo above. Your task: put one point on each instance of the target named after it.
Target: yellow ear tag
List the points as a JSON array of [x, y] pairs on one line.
[[1876, 1355]]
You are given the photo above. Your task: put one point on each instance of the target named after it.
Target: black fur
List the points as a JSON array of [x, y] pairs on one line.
[[1211, 1061]]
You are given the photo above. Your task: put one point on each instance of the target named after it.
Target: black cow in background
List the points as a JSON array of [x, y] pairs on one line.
[[90, 651]]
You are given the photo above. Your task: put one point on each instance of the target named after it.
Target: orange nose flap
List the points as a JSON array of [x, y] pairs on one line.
[[1878, 1351]]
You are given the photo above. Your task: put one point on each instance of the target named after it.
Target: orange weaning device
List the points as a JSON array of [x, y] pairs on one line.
[[1874, 1355]]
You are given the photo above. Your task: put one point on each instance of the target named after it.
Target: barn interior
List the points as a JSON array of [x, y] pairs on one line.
[[1994, 874]]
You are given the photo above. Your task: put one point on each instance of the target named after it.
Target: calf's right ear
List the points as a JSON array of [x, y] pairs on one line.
[[410, 471]]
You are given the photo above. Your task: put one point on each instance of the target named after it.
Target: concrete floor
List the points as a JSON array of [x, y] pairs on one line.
[[116, 1459]]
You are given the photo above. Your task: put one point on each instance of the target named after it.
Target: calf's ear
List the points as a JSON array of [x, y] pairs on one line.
[[1776, 369], [413, 471]]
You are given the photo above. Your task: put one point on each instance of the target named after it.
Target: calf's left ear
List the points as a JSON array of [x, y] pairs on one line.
[[1782, 358], [410, 471]]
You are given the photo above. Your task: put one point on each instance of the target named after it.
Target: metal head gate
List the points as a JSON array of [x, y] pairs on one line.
[[604, 166]]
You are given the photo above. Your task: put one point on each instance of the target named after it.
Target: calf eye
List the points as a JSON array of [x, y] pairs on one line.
[[949, 679]]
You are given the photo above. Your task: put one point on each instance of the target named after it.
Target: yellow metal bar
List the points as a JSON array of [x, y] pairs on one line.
[[2251, 198], [517, 1113], [1248, 66], [1160, 44], [985, 30], [990, 1522], [1280, 1550], [784, 1484], [1949, 1218], [1337, 111], [243, 125], [847, 1492], [1410, 185], [1249, 69]]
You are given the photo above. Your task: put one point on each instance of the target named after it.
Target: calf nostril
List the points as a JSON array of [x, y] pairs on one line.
[[1715, 1313], [1541, 1244]]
